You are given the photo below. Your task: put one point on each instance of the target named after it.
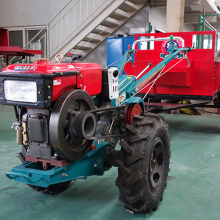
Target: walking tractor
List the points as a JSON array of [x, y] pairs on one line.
[[71, 115]]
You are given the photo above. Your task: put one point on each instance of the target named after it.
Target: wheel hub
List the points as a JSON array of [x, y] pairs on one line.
[[157, 163]]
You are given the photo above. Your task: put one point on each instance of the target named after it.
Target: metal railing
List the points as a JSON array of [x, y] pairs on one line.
[[63, 26], [203, 24]]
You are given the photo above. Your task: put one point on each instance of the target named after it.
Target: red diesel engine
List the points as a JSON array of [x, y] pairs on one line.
[[46, 98]]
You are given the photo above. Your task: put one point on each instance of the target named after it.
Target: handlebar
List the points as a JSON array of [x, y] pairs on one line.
[[171, 38]]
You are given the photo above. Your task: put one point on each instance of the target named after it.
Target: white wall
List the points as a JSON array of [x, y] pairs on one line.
[[189, 27], [15, 13], [158, 18]]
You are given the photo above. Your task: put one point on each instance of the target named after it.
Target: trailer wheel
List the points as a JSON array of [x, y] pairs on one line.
[[143, 163]]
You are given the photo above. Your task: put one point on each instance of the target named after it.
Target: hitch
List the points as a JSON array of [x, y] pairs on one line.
[[31, 173]]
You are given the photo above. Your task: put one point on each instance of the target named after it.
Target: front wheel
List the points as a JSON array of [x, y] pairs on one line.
[[143, 163]]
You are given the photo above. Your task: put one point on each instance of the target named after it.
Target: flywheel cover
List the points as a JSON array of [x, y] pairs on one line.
[[65, 146]]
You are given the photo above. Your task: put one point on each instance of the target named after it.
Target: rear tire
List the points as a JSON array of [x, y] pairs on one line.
[[143, 163]]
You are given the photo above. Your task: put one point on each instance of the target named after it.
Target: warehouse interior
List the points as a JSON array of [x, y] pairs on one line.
[[87, 28]]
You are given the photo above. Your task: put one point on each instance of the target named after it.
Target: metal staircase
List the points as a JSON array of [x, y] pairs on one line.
[[82, 25]]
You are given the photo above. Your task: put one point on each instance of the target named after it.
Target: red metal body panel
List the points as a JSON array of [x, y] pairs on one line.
[[63, 84], [217, 76], [89, 79], [4, 37], [200, 79], [18, 51]]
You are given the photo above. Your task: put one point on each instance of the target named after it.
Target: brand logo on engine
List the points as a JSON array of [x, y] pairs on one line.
[[25, 68], [57, 82]]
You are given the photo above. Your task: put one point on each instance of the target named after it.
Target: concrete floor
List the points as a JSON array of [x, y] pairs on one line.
[[193, 190]]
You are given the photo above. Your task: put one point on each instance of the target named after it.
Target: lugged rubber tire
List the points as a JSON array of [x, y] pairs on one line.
[[140, 188]]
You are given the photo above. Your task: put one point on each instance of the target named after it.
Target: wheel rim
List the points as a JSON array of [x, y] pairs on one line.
[[157, 163]]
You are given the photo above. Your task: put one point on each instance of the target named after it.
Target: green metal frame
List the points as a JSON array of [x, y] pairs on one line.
[[91, 164], [201, 27]]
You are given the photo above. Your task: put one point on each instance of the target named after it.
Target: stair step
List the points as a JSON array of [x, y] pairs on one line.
[[103, 30], [82, 53], [129, 6], [119, 14], [111, 22], [85, 45], [140, 1], [94, 38]]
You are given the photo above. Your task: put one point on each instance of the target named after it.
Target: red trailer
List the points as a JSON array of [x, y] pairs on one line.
[[195, 78]]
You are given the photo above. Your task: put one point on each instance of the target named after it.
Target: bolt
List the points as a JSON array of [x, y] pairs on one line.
[[81, 76], [64, 175], [2, 90], [61, 73], [153, 161], [151, 170], [95, 165], [48, 87], [49, 97], [38, 92], [80, 85]]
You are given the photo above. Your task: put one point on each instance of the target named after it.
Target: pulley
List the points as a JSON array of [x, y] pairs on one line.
[[71, 126]]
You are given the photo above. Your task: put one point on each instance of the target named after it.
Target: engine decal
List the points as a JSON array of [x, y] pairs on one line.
[[120, 99], [57, 82], [25, 68]]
